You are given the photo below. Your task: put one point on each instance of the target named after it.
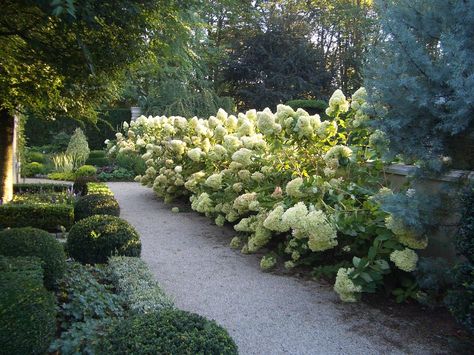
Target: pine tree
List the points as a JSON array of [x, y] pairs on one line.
[[420, 76]]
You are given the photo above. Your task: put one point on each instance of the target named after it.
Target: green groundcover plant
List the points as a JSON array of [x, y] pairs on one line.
[[310, 190]]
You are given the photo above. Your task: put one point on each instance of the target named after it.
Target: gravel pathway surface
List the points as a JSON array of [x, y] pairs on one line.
[[265, 313]]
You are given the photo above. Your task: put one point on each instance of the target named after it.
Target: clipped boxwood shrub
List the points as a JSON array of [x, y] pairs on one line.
[[170, 331], [49, 217], [98, 188], [311, 106], [86, 170], [90, 205], [30, 266], [93, 239], [27, 312], [32, 169], [97, 158], [37, 157], [34, 188], [39, 243]]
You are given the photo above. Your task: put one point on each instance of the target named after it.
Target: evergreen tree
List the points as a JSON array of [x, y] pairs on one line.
[[420, 77]]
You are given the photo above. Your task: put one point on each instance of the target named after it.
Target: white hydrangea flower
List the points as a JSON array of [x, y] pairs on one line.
[[267, 262], [214, 181], [337, 104], [405, 259], [345, 287], [195, 154], [293, 187], [338, 151], [274, 222], [293, 216], [243, 156], [242, 202], [321, 234]]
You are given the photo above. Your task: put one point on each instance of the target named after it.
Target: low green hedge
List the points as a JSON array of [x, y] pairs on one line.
[[37, 243], [98, 188], [311, 106], [27, 309], [170, 331], [97, 158], [35, 188], [92, 240], [62, 176], [49, 217], [137, 285], [94, 204]]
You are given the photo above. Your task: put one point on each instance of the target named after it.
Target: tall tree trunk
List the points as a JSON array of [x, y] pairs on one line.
[[7, 126]]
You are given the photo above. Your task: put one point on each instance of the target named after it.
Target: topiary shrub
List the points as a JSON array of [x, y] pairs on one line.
[[170, 331], [97, 158], [27, 310], [86, 170], [311, 106], [36, 242], [37, 157], [94, 204], [32, 169], [93, 239]]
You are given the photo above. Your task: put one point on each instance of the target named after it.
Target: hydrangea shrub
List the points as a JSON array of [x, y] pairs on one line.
[[288, 181]]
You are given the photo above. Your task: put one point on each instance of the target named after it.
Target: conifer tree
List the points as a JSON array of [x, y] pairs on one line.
[[420, 77]]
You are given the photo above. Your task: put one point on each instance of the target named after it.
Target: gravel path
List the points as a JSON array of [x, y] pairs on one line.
[[265, 313]]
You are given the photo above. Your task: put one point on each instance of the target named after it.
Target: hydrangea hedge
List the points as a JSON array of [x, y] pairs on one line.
[[307, 189]]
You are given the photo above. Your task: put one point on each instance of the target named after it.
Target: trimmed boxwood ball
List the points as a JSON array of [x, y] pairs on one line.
[[86, 170], [92, 240], [27, 313], [94, 204], [167, 332], [36, 242]]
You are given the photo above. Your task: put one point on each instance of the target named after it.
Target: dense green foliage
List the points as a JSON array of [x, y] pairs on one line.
[[85, 170], [419, 78], [36, 242], [27, 309], [312, 106], [54, 136], [460, 299], [95, 204], [50, 217], [32, 169], [275, 66], [97, 158], [168, 331], [86, 306], [34, 188], [137, 285], [80, 184], [92, 240], [98, 188]]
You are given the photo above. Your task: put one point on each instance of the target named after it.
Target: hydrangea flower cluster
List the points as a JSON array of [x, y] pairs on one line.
[[405, 259]]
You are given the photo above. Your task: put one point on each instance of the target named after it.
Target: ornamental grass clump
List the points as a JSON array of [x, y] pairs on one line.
[[305, 188]]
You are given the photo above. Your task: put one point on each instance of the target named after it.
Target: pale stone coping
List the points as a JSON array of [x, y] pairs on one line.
[[451, 176]]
